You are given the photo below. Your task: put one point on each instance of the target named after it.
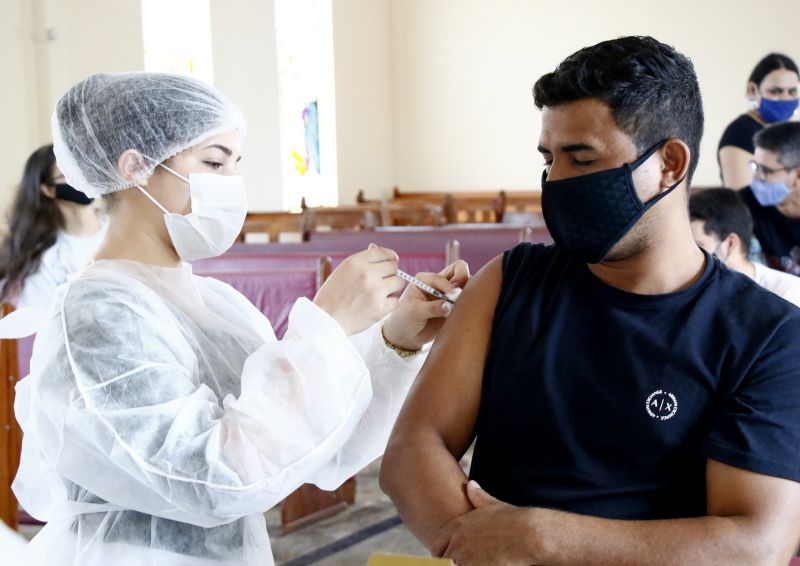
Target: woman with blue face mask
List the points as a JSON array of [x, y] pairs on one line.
[[162, 417], [772, 92]]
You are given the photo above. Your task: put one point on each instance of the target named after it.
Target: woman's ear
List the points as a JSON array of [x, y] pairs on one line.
[[48, 191], [676, 157], [752, 92], [132, 167]]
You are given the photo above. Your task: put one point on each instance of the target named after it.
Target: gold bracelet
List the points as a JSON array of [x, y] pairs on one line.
[[402, 352]]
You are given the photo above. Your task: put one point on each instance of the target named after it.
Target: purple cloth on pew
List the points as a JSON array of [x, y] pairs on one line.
[[479, 243], [272, 292], [237, 260], [412, 262], [24, 351]]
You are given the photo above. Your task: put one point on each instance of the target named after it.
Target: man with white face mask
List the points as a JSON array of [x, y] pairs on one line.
[[722, 226], [161, 416]]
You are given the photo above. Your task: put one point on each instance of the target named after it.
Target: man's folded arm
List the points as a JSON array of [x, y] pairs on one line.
[[751, 519]]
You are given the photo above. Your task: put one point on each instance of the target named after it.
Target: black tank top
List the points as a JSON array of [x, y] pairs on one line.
[[608, 403]]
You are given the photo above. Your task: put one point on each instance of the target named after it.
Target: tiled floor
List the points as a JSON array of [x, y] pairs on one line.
[[352, 529]]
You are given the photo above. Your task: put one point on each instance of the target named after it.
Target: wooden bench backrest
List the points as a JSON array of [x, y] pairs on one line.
[[10, 435]]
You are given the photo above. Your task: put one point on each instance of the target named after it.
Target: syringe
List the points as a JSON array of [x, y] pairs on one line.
[[427, 288]]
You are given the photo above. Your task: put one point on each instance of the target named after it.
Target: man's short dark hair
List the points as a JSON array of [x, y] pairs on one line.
[[724, 213], [783, 139], [651, 89]]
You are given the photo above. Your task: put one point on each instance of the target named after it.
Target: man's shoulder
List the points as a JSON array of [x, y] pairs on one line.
[[740, 297], [756, 310], [528, 255]]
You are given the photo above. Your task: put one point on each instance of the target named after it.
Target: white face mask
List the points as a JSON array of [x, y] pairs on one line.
[[219, 207]]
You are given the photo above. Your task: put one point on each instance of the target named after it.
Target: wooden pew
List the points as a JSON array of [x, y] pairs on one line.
[[10, 434], [478, 242], [471, 209], [412, 214], [347, 217], [271, 223], [474, 206], [400, 195], [407, 213], [309, 504], [459, 207], [521, 201]]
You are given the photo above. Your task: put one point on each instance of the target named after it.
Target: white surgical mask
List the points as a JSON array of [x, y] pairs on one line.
[[219, 207]]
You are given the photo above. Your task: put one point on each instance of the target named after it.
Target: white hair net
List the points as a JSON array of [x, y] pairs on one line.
[[157, 114]]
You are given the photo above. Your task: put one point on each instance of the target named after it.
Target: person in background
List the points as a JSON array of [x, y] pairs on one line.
[[54, 230], [772, 92], [773, 196], [722, 226]]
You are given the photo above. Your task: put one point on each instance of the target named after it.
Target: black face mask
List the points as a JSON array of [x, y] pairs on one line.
[[66, 192], [587, 215]]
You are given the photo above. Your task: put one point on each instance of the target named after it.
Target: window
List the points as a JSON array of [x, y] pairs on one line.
[[304, 45], [177, 37]]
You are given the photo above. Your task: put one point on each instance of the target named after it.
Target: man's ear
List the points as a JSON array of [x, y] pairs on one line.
[[735, 245], [132, 166], [676, 157], [793, 181]]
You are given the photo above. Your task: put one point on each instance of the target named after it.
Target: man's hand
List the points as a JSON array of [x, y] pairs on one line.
[[494, 533]]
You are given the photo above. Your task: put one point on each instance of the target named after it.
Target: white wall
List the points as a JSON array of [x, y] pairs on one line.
[[83, 37], [245, 69], [364, 96], [430, 94], [49, 45], [19, 95], [463, 72], [52, 44]]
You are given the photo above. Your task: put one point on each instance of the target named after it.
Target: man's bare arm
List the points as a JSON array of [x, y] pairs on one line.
[[751, 519], [420, 469]]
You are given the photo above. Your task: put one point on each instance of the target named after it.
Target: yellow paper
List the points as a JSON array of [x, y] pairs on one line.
[[379, 559]]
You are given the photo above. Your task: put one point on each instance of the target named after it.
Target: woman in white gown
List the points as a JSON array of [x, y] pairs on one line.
[[162, 417]]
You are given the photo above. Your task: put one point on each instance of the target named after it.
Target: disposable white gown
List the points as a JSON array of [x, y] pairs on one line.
[[162, 417]]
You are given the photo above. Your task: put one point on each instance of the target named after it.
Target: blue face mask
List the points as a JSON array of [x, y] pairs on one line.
[[769, 194], [777, 110]]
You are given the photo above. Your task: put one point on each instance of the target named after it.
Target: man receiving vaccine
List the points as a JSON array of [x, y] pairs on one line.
[[631, 398]]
